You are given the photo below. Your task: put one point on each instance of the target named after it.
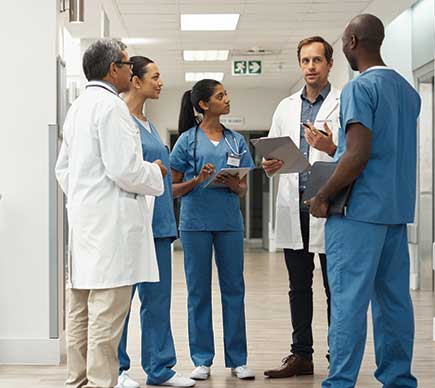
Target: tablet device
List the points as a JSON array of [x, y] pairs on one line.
[[241, 172]]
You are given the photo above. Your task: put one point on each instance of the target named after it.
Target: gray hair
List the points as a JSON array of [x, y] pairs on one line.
[[98, 57]]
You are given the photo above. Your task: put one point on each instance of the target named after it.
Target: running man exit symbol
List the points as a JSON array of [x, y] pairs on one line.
[[240, 67]]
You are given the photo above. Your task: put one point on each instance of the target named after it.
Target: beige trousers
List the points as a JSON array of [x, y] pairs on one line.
[[94, 323]]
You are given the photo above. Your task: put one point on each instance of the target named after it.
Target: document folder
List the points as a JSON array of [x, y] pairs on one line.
[[320, 173], [282, 148]]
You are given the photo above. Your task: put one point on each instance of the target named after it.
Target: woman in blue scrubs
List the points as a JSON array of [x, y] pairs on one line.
[[211, 218], [157, 345]]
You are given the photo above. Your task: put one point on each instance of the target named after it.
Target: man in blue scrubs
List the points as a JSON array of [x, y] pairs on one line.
[[367, 249]]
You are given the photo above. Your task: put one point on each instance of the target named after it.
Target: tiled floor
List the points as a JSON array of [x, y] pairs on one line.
[[268, 326]]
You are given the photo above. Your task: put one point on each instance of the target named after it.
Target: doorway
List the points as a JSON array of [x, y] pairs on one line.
[[425, 184]]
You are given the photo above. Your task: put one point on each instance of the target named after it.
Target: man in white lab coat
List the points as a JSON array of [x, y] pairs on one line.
[[297, 232], [101, 170]]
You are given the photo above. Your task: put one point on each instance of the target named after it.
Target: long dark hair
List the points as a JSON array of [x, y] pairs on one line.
[[139, 65], [201, 91]]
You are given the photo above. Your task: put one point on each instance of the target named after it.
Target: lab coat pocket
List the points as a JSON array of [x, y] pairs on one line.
[[131, 215], [132, 223], [90, 232]]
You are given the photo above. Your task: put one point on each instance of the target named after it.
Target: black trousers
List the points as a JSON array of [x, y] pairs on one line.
[[300, 266]]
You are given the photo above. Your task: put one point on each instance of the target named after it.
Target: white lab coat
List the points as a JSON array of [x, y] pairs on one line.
[[101, 169], [286, 122]]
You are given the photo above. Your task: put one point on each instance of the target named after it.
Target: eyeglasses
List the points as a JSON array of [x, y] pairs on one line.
[[130, 64]]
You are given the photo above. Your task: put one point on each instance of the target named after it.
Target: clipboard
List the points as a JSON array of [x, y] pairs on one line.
[[320, 173], [241, 172], [282, 148]]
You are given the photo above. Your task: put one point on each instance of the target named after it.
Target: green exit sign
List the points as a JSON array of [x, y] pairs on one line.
[[240, 67], [254, 67], [244, 67]]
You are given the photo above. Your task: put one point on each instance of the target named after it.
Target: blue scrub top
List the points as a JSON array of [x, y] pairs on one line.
[[384, 102], [209, 209], [152, 149]]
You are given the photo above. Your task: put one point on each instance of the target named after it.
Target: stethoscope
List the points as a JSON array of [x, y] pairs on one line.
[[234, 151], [108, 88]]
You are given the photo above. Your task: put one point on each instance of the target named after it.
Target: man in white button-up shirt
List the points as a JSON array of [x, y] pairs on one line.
[[101, 170]]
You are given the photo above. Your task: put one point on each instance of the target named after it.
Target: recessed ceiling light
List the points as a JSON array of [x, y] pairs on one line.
[[194, 77], [139, 41], [209, 22], [205, 55]]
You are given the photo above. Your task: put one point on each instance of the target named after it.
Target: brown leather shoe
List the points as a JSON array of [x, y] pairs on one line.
[[292, 365]]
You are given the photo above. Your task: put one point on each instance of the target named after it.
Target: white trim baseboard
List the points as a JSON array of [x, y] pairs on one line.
[[30, 351]]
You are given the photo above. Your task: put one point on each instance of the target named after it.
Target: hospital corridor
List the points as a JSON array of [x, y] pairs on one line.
[[217, 194], [268, 333]]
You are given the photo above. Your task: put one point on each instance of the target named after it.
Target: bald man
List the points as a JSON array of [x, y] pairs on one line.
[[367, 249]]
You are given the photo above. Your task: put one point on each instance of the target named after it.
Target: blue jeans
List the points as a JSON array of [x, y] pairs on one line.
[[228, 248], [157, 344], [369, 263]]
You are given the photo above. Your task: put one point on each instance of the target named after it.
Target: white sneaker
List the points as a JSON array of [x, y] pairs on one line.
[[200, 373], [179, 381], [125, 381], [243, 372]]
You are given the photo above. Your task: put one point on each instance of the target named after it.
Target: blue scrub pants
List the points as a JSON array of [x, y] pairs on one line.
[[228, 248], [369, 263], [157, 345]]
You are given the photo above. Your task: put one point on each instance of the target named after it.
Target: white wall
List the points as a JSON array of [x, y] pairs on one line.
[[397, 46], [255, 105], [409, 39], [423, 33], [28, 105]]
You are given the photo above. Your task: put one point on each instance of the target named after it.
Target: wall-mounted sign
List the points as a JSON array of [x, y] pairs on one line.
[[232, 121], [251, 67], [254, 67], [240, 67]]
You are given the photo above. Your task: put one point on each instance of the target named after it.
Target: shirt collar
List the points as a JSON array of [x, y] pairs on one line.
[[377, 68], [111, 86], [323, 93], [105, 84]]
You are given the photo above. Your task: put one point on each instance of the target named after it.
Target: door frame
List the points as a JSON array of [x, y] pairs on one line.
[[425, 215]]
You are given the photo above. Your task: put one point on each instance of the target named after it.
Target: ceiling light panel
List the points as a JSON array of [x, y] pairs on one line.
[[209, 22], [205, 55], [139, 41], [194, 77]]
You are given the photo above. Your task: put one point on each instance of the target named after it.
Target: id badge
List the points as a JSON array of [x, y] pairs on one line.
[[233, 160]]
